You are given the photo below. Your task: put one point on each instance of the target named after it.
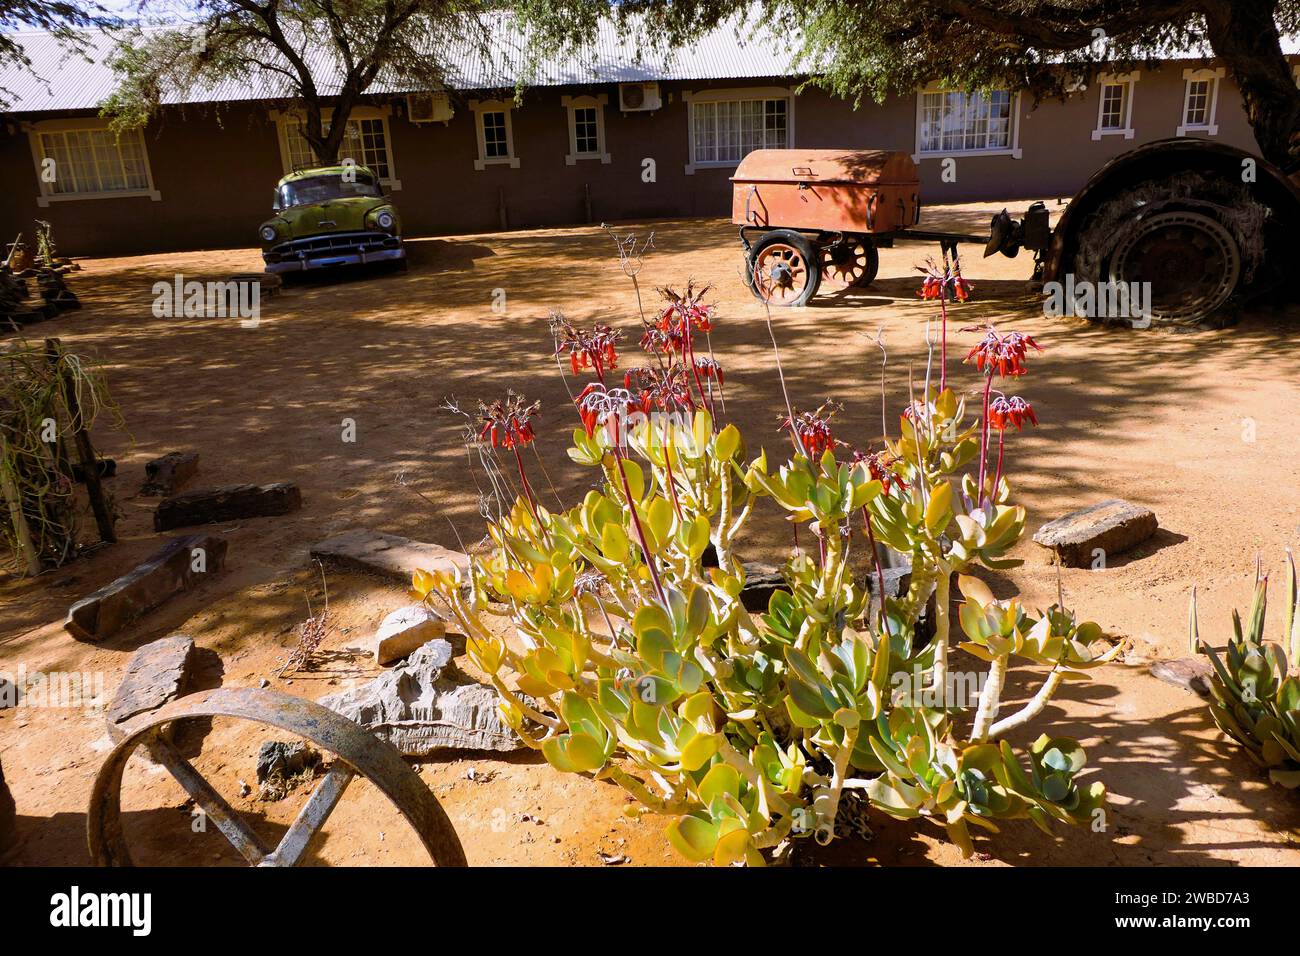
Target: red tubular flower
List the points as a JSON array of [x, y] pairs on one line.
[[586, 349], [508, 424], [813, 430], [880, 467], [708, 368], [1004, 411], [1004, 354]]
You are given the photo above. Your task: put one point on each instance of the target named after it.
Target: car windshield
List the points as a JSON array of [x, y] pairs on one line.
[[314, 189]]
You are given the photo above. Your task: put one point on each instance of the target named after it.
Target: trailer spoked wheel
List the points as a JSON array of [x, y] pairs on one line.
[[358, 753], [784, 268], [851, 261], [1190, 259]]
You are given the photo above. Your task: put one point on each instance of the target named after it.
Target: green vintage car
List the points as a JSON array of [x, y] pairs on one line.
[[331, 216]]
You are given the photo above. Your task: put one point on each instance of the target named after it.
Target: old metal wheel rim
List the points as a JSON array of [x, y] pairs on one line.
[[358, 753], [844, 264], [1190, 259], [781, 272]]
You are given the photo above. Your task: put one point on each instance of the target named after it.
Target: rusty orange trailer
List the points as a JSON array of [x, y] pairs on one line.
[[814, 217]]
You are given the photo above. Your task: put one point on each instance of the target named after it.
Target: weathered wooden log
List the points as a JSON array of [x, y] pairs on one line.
[[178, 566], [227, 503], [163, 476]]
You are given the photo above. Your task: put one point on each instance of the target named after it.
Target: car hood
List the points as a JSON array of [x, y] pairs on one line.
[[334, 215]]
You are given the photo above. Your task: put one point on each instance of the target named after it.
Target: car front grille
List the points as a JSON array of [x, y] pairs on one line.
[[336, 242]]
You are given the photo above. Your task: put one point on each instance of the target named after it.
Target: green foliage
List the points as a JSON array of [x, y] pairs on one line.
[[642, 666], [322, 53], [1254, 700]]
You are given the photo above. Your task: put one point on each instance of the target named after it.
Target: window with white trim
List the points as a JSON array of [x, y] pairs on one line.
[[956, 122], [725, 131], [586, 128], [83, 159], [1115, 105], [365, 142], [1200, 101], [496, 140]]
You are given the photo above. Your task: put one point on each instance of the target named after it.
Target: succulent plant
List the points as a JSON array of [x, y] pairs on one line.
[[1254, 698], [643, 666]]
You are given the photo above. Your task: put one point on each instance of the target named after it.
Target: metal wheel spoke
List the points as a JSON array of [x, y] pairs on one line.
[[230, 823], [321, 803]]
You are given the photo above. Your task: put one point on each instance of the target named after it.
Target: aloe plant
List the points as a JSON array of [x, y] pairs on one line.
[[1255, 700]]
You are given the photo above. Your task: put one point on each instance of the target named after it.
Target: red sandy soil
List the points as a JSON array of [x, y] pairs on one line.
[[1152, 416]]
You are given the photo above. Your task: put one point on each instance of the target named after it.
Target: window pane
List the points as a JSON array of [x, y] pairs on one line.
[[494, 135], [1198, 103], [586, 137], [953, 122], [728, 130], [95, 161]]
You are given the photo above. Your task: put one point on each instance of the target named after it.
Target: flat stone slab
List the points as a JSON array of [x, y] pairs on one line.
[[387, 554], [163, 476], [227, 503], [156, 674], [1110, 527], [404, 630], [181, 564], [425, 706]]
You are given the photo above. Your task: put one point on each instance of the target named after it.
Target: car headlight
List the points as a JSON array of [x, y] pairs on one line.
[[269, 233], [385, 220]]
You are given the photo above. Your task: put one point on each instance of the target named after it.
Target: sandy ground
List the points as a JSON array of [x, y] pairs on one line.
[[1200, 427]]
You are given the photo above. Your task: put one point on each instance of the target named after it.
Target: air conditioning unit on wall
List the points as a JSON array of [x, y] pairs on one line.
[[429, 108], [638, 97]]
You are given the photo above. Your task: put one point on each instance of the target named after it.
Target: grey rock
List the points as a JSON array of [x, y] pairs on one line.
[[761, 581], [171, 570], [283, 765], [425, 706], [1109, 527], [156, 674], [1190, 673], [387, 554], [404, 630]]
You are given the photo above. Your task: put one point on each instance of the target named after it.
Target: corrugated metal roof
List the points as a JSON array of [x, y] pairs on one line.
[[60, 80]]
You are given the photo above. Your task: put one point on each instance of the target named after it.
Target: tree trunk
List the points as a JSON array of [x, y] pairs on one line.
[[1244, 35]]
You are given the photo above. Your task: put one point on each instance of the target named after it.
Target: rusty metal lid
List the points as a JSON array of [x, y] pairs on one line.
[[871, 167]]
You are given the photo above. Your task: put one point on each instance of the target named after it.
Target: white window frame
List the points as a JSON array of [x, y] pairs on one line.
[[283, 119], [738, 93], [1129, 82], [574, 103], [1013, 150], [48, 195], [479, 107], [1190, 76]]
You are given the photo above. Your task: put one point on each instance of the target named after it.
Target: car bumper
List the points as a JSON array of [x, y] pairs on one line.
[[329, 252]]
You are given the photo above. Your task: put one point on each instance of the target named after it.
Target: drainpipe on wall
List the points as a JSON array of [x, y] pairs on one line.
[[586, 201]]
